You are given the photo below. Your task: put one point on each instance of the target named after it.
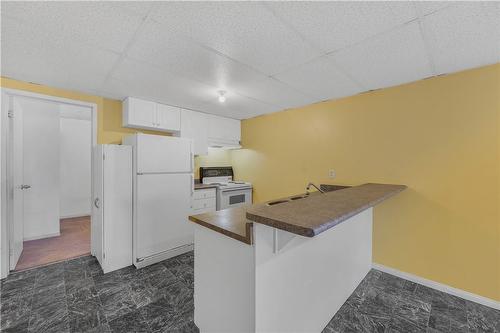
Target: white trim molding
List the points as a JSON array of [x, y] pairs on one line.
[[55, 234], [439, 286], [6, 93]]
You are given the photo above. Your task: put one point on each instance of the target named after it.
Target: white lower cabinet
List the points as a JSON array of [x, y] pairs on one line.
[[112, 207], [204, 201]]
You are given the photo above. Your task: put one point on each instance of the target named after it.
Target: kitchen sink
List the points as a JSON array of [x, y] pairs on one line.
[[272, 203], [298, 197]]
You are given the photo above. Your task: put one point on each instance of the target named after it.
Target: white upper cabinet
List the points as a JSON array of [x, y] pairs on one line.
[[194, 126], [138, 113], [224, 132], [168, 117]]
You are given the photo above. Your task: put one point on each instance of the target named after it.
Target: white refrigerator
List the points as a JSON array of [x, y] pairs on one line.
[[112, 206], [163, 190]]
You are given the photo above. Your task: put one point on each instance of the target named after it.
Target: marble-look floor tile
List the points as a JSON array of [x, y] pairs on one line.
[[16, 287], [83, 295], [132, 322], [350, 319], [159, 315], [15, 312], [378, 304], [75, 296], [117, 303], [151, 288], [415, 311], [403, 325], [481, 318], [73, 286], [53, 318], [46, 298], [86, 315], [21, 328]]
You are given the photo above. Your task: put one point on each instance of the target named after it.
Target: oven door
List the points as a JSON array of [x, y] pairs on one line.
[[233, 198]]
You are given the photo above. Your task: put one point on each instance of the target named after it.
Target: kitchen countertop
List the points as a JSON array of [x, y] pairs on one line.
[[199, 186], [308, 217], [231, 222]]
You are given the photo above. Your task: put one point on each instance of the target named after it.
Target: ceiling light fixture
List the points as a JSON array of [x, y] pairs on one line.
[[222, 97]]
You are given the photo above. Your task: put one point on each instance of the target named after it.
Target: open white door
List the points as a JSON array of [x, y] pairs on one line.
[[41, 165], [17, 187]]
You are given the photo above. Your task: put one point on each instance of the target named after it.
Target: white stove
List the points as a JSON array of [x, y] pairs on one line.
[[230, 193]]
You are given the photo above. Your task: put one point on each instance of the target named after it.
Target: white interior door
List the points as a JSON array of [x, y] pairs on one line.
[[41, 163], [17, 186], [163, 207]]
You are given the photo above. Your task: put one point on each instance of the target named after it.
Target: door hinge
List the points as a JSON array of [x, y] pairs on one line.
[[10, 114], [104, 256], [103, 156]]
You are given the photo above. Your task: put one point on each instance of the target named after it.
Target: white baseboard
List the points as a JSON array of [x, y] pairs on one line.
[[164, 256], [439, 286], [55, 234]]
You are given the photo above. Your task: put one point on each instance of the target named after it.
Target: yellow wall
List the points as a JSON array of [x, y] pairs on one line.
[[109, 116], [439, 136]]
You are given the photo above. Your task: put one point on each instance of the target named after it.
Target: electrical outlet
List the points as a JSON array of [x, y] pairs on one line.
[[331, 173]]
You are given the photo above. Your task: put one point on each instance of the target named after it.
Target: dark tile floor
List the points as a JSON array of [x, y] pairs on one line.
[[74, 296]]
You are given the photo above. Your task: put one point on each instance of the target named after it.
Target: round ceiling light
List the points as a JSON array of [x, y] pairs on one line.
[[222, 97]]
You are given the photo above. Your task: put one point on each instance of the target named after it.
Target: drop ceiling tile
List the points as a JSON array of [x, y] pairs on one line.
[[393, 58], [177, 54], [99, 23], [273, 92], [238, 107], [334, 25], [132, 78], [29, 55], [245, 31], [463, 36], [322, 79], [180, 55]]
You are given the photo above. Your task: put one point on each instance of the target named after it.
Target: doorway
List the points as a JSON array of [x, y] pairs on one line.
[[49, 185]]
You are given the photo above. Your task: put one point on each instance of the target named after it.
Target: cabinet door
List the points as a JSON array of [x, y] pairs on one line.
[[139, 113], [168, 117], [194, 126], [224, 129]]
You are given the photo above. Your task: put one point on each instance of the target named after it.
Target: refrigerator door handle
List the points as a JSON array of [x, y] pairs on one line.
[[192, 185]]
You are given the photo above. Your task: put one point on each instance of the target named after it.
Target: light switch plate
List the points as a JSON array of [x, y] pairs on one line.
[[331, 173]]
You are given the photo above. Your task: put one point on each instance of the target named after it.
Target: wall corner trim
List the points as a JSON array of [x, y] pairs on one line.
[[439, 286]]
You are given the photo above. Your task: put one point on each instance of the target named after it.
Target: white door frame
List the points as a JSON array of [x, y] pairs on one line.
[[5, 227]]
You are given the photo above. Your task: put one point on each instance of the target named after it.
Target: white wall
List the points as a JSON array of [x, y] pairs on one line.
[[75, 177]]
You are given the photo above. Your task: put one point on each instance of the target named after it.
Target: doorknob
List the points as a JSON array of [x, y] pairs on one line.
[[25, 187], [96, 202]]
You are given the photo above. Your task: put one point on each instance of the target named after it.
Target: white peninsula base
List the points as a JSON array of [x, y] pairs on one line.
[[281, 283]]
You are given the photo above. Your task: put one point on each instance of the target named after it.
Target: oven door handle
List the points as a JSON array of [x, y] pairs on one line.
[[236, 189]]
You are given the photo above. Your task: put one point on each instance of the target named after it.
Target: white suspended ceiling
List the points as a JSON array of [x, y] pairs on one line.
[[268, 56]]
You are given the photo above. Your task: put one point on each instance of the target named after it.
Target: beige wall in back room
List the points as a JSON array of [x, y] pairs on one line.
[[440, 137]]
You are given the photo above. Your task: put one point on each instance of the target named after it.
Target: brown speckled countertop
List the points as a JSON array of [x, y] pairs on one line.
[[308, 217], [231, 222], [199, 186]]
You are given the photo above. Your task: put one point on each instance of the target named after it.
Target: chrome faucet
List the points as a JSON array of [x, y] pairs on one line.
[[309, 187]]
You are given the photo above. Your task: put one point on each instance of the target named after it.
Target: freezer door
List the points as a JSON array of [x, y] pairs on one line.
[[97, 203], [117, 226], [163, 207], [158, 154]]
